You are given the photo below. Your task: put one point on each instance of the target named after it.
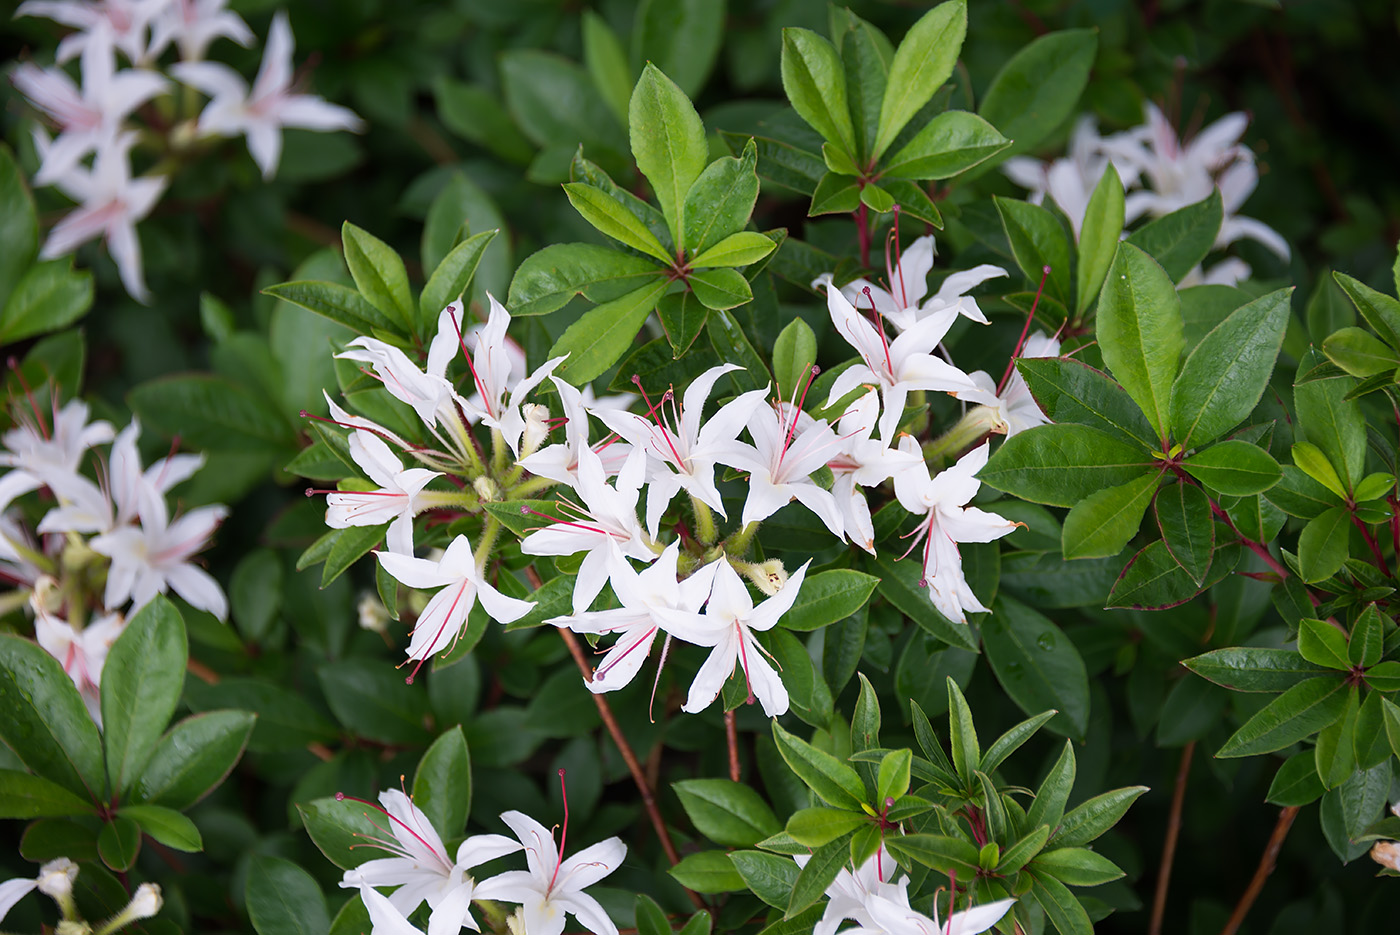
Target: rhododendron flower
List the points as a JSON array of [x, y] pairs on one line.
[[37, 454], [126, 21], [862, 461], [194, 24], [155, 556], [400, 498], [1070, 181], [1013, 409], [81, 652]]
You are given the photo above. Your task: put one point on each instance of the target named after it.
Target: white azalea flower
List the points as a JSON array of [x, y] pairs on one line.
[[38, 456], [155, 556], [849, 893], [862, 461], [890, 914], [194, 24], [1012, 410], [400, 498], [897, 367], [1070, 181], [559, 462], [81, 652], [55, 879], [260, 114], [727, 625], [421, 870], [553, 886], [462, 584], [127, 21]]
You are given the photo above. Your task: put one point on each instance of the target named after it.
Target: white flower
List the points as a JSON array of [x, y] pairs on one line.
[[260, 114], [553, 886], [862, 461], [890, 914], [559, 462], [110, 204], [849, 893], [897, 366], [728, 623], [947, 521], [462, 585], [194, 24], [81, 652], [1231, 271], [37, 456], [90, 117], [636, 622], [681, 453], [126, 20], [904, 304], [421, 869], [606, 522], [1012, 410], [1070, 181], [148, 559], [400, 498], [55, 879]]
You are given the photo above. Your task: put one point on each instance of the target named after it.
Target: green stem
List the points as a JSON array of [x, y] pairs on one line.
[[705, 529], [499, 451], [739, 543], [533, 485], [495, 914], [968, 430], [488, 541]]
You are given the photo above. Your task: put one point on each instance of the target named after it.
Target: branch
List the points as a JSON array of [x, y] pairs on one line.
[[1261, 873], [1164, 871], [731, 735]]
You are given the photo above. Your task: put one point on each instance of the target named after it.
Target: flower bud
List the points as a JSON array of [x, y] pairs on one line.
[[46, 599], [769, 576], [145, 902], [72, 927], [1387, 854], [56, 878], [515, 922], [373, 614], [487, 489], [536, 427]]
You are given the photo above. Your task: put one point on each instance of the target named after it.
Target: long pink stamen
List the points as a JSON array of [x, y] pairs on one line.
[[313, 491], [437, 636], [603, 669], [341, 797], [563, 833], [471, 363], [661, 664], [897, 271], [1021, 342], [29, 395], [879, 327], [660, 423], [796, 405], [564, 522]]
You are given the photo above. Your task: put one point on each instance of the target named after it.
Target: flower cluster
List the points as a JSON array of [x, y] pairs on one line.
[[878, 906], [56, 879], [692, 587], [93, 118], [1161, 174], [101, 549], [421, 871]]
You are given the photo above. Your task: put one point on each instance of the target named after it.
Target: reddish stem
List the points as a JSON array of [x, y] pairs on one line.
[[731, 735], [1261, 873], [1371, 541], [1164, 872]]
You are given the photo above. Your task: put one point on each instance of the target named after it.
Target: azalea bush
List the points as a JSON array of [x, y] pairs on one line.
[[668, 468]]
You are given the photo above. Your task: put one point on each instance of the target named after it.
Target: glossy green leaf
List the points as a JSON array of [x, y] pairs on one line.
[[603, 334], [682, 37], [832, 780], [442, 784], [827, 597], [835, 194], [166, 826], [683, 317], [893, 777], [1050, 799], [209, 411], [549, 278], [193, 757], [1322, 644], [1188, 530], [1234, 468], [1324, 545], [1391, 713], [1359, 353], [739, 249], [707, 872], [19, 226], [732, 345], [614, 220], [1039, 88], [23, 795], [729, 813], [48, 296], [950, 143], [1311, 461], [1037, 241], [1367, 640], [1140, 332], [794, 353], [43, 720], [923, 61], [962, 735], [338, 827], [1069, 390], [1098, 238], [1253, 669], [899, 584], [815, 827], [331, 300], [453, 276], [1062, 464], [769, 876], [379, 274], [1062, 910], [876, 199], [1300, 712], [1009, 742], [651, 920], [1090, 819], [938, 852], [1296, 782], [720, 288], [668, 142], [284, 899], [141, 683], [1382, 312], [1330, 421], [1180, 240], [721, 200], [815, 82], [1037, 664], [1152, 580], [373, 701], [119, 842], [1077, 866], [1370, 744], [1102, 523], [606, 62]]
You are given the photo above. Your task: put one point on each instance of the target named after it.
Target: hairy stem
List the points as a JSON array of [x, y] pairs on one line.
[[731, 736], [1164, 871], [1261, 873], [705, 529]]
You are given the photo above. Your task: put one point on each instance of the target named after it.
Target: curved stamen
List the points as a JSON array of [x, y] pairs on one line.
[[471, 364], [879, 328], [341, 797]]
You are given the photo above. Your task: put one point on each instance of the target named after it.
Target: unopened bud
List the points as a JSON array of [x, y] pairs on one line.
[[373, 614], [536, 427], [515, 922], [1387, 854], [145, 903], [56, 878], [769, 576], [487, 489], [46, 599]]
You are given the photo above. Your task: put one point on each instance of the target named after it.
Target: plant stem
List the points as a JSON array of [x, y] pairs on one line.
[[1371, 541], [705, 529], [1164, 871], [1261, 873], [628, 756], [1255, 547], [738, 544], [731, 735], [488, 540]]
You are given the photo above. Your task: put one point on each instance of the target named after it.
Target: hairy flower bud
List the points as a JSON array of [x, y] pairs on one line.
[[373, 614], [769, 577], [487, 489], [56, 878], [145, 902]]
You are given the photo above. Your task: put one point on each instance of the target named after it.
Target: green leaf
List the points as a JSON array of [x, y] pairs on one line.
[[668, 141], [1300, 712], [379, 274], [728, 813], [1391, 711], [865, 722], [1062, 464], [1098, 237], [1359, 353], [119, 842], [950, 143], [814, 879], [833, 781], [1152, 580], [739, 249], [835, 194], [1324, 545], [549, 278], [19, 227], [1140, 332], [1038, 89], [1019, 854], [731, 345], [1049, 805], [923, 61], [331, 300], [1064, 911], [49, 296], [651, 920], [1093, 817], [721, 200], [938, 852], [349, 547], [1365, 646], [193, 758], [1234, 468], [827, 597], [453, 276], [769, 876], [1069, 390], [1382, 312], [1076, 866], [1037, 241], [866, 54], [962, 735], [899, 585], [720, 288], [683, 318], [209, 411], [1180, 240], [1370, 744], [815, 82], [1037, 664], [893, 778], [141, 683], [1327, 419], [553, 101], [476, 114], [23, 795], [442, 784], [603, 334], [614, 220], [339, 828], [1183, 515], [794, 353], [44, 721], [283, 899], [913, 201], [815, 827], [1009, 742], [166, 825], [1322, 644], [51, 838], [1225, 376], [682, 37], [373, 700], [1253, 669], [1296, 783], [1101, 524], [606, 62], [707, 872], [285, 720]]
